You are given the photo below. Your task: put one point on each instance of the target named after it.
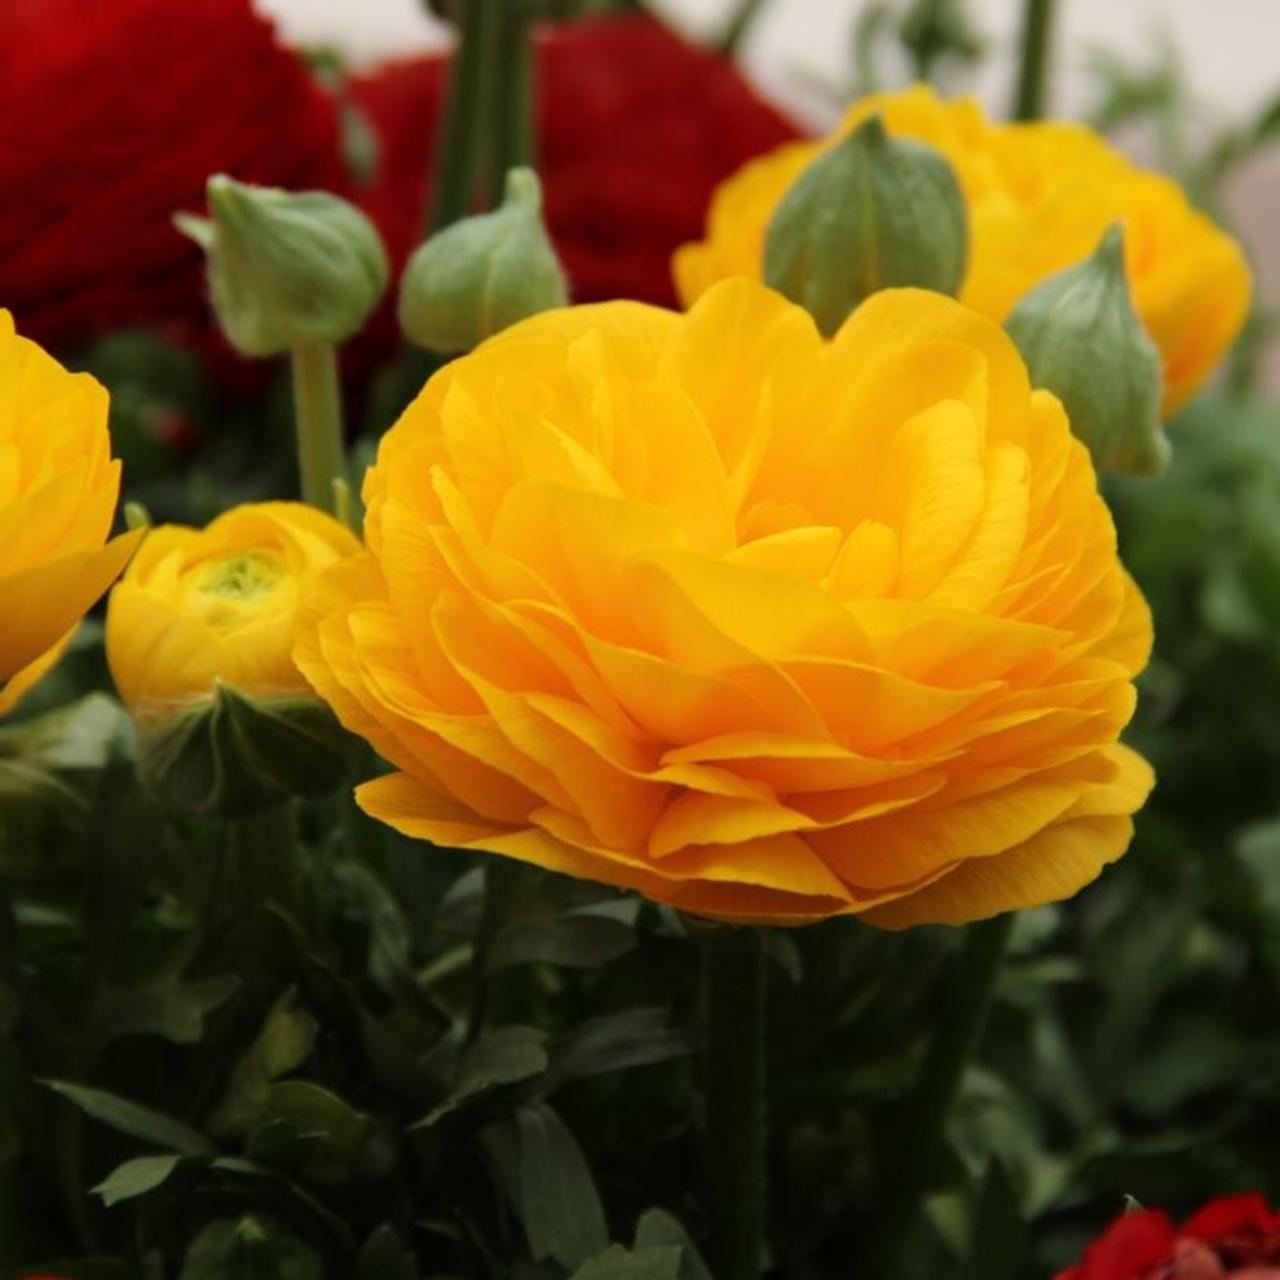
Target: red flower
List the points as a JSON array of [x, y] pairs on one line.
[[112, 114], [636, 128], [1236, 1237]]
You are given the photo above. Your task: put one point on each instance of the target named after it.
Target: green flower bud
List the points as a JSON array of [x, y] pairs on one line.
[[287, 267], [232, 756], [874, 212], [482, 274], [1082, 340]]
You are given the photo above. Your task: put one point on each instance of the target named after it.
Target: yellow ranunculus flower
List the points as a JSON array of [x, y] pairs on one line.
[[199, 606], [58, 490], [1039, 197], [766, 627]]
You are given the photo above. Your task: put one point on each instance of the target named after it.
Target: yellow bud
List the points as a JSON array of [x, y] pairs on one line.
[[199, 641]]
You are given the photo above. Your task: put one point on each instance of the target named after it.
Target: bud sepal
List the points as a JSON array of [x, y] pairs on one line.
[[482, 274], [1082, 339], [231, 756], [873, 212], [287, 268]]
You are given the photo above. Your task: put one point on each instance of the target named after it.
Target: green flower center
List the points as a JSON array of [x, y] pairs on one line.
[[246, 576]]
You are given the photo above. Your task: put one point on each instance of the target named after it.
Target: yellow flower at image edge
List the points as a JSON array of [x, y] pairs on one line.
[[1039, 197], [201, 606], [58, 491], [767, 628]]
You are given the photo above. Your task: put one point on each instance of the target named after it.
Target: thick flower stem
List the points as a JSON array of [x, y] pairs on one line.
[[317, 404], [466, 122], [513, 124], [909, 1164], [738, 26], [734, 1089], [1033, 74], [264, 874]]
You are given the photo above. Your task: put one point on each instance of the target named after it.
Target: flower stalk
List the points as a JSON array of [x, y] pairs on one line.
[[317, 404], [466, 118], [1033, 74], [954, 1043], [734, 1088]]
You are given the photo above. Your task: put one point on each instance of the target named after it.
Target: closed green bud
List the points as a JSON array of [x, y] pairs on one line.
[[232, 756], [287, 267], [480, 275], [1083, 340], [874, 212]]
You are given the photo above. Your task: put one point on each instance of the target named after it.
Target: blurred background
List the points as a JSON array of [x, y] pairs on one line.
[[799, 53]]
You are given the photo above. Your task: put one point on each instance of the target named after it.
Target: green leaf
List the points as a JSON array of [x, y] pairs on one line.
[[506, 1055], [657, 1228], [333, 1143], [170, 1008], [577, 940], [998, 1238], [249, 1249], [384, 1257], [549, 1185], [614, 1042], [136, 1178], [283, 1044], [617, 1263], [134, 1119]]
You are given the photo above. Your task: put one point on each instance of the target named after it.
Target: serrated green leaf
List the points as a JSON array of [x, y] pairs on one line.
[[135, 1120], [505, 1055]]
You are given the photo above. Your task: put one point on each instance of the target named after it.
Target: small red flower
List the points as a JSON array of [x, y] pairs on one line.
[[1234, 1238], [112, 115], [636, 128]]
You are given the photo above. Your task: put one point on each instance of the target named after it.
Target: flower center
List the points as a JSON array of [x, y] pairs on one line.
[[243, 577]]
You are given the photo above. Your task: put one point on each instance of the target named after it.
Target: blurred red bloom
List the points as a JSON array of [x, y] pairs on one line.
[[111, 117], [1236, 1237], [635, 125]]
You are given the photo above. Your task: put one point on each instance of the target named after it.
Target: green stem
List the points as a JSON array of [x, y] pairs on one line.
[[263, 856], [739, 24], [317, 403], [466, 114], [1033, 75], [910, 1164], [513, 124], [734, 1089]]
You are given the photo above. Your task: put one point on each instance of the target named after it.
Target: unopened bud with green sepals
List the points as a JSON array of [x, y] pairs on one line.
[[1083, 340], [482, 274], [874, 212], [287, 268], [231, 755]]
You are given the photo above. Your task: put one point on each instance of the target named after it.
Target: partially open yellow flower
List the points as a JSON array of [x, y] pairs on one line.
[[58, 490], [1039, 198], [765, 627], [198, 606]]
